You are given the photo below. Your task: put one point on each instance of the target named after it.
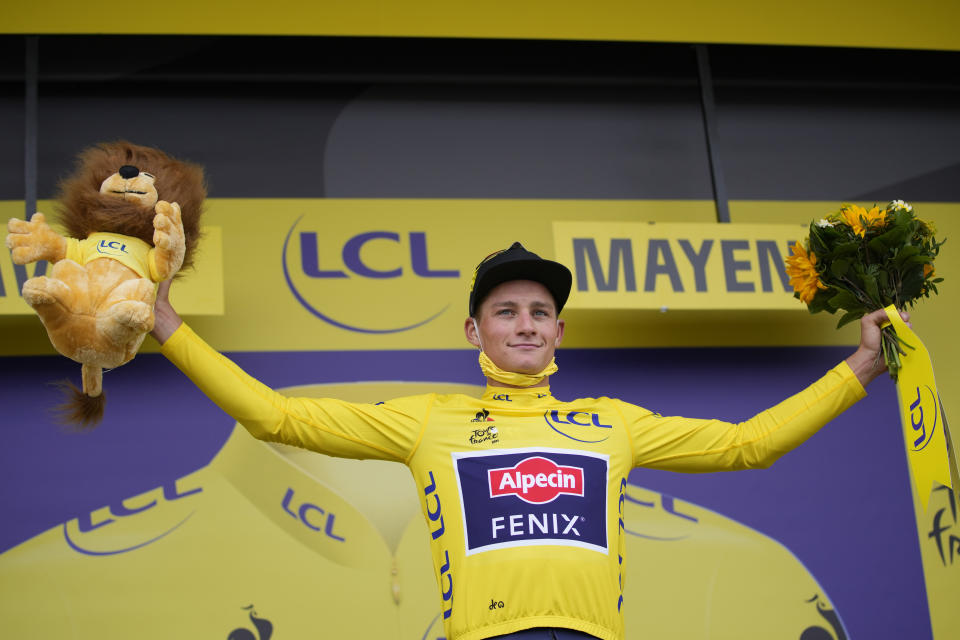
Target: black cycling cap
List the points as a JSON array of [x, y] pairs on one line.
[[516, 263]]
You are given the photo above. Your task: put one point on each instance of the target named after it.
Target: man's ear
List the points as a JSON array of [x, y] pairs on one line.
[[470, 330], [561, 325]]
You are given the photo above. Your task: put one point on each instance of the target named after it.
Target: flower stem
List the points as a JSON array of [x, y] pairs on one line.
[[890, 346]]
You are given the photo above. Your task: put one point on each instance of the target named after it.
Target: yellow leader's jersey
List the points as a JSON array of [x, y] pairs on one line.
[[127, 250], [523, 494]]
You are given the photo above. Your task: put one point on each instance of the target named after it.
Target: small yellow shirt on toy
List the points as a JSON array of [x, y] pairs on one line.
[[127, 250]]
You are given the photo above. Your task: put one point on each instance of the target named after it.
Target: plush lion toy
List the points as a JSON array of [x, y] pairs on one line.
[[97, 303]]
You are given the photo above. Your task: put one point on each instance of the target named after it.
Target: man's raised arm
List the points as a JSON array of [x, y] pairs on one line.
[[353, 430], [166, 320]]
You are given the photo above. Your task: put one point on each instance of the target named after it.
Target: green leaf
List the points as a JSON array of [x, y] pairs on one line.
[[870, 285], [845, 248], [883, 242], [905, 254], [849, 317], [877, 246], [844, 300], [911, 284], [817, 245], [884, 278], [840, 266], [903, 218], [820, 302]]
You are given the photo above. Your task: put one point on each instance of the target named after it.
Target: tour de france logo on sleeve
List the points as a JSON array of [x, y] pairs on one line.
[[518, 497]]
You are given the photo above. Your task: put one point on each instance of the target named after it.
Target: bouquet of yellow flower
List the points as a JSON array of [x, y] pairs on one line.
[[858, 261]]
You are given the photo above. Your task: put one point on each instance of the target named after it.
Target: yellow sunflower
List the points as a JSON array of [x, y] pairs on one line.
[[802, 269], [851, 214]]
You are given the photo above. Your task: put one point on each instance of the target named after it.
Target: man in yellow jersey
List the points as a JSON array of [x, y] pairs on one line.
[[523, 493]]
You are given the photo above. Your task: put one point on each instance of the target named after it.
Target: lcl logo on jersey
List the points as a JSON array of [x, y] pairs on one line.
[[111, 247], [578, 425], [514, 497]]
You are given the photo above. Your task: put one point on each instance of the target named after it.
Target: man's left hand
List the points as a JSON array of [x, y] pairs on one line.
[[868, 362]]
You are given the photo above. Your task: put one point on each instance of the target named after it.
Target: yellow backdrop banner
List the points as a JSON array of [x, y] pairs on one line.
[[289, 274], [921, 24]]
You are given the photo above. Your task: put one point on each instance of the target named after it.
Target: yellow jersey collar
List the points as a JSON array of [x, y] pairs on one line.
[[524, 396]]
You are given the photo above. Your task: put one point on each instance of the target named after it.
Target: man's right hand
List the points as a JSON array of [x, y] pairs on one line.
[[166, 320]]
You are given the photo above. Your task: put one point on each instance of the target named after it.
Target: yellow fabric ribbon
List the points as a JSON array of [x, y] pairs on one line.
[[512, 377], [921, 413]]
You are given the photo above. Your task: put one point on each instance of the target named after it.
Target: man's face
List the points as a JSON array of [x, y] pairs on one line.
[[519, 329]]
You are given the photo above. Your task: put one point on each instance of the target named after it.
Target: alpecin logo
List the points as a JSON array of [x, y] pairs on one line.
[[487, 434], [536, 480], [482, 416]]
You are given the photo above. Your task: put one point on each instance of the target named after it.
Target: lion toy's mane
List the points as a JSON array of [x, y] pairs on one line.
[[83, 210]]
